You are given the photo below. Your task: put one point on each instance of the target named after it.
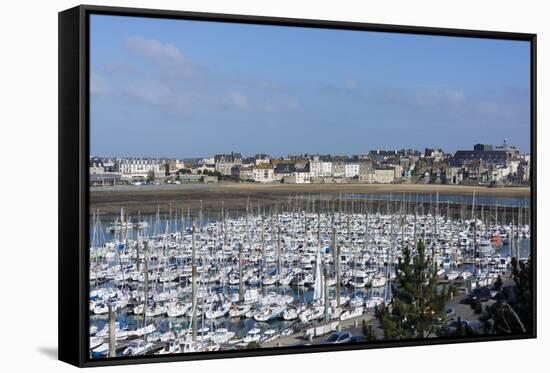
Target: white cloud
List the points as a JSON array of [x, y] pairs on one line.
[[280, 106], [153, 48], [427, 98], [268, 85], [173, 83], [351, 84], [162, 97], [159, 95], [454, 96], [293, 104], [238, 100], [488, 107], [439, 96], [98, 85]]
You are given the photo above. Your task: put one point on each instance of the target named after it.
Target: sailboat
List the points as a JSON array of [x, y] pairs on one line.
[[316, 310]]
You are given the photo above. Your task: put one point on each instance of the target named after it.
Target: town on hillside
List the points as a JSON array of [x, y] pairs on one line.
[[501, 165]]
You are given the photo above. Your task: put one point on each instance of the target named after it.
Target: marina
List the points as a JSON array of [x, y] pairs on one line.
[[234, 186], [288, 272]]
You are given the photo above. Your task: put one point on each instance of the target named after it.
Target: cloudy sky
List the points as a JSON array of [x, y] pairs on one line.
[[186, 89]]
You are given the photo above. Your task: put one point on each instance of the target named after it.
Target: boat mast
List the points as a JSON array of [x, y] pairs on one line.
[[241, 288], [224, 226], [112, 331], [325, 297], [337, 264], [475, 229], [415, 243], [145, 279], [138, 231], [194, 283], [182, 226], [278, 251], [200, 217], [262, 252]]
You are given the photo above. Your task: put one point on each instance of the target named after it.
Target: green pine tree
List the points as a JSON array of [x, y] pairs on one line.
[[253, 345], [498, 283], [418, 306], [513, 315], [368, 333], [523, 280]]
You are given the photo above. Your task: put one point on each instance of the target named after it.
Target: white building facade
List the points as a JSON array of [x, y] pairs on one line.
[[320, 168], [301, 177], [384, 175], [131, 168], [351, 170], [263, 174]]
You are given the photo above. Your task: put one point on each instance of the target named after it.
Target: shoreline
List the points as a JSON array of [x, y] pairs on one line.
[[148, 198]]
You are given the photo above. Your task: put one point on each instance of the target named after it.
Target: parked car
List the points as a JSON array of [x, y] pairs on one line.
[[453, 326], [474, 326], [338, 337], [357, 339], [478, 295], [450, 314], [137, 347]]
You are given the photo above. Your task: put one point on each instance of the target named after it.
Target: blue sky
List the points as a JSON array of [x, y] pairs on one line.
[[180, 88]]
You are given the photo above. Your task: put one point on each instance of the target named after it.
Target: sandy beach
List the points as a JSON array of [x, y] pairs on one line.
[[148, 198]]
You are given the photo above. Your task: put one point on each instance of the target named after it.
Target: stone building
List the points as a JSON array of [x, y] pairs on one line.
[[225, 162], [299, 176], [384, 175], [263, 173]]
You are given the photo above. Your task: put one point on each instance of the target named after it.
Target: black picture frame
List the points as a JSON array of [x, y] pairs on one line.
[[74, 184]]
